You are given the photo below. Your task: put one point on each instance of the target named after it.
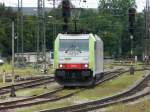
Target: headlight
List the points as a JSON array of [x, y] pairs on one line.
[[60, 66], [86, 65]]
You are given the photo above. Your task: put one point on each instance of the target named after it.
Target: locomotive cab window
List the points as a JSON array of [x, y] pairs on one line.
[[74, 44]]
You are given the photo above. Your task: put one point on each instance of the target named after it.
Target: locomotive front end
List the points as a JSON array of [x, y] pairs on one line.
[[72, 60]]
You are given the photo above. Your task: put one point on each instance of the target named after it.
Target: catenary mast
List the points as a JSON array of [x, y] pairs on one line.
[[41, 39], [147, 28]]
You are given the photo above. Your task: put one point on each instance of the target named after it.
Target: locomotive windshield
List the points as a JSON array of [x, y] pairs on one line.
[[74, 44]]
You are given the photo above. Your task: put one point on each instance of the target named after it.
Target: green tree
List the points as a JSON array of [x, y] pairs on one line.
[[115, 16], [6, 16]]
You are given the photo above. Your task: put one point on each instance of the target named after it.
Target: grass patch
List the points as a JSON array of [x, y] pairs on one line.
[[138, 107], [18, 71], [37, 90], [40, 90], [57, 104], [111, 87], [66, 91], [2, 84], [31, 92], [103, 90], [136, 65], [23, 72]]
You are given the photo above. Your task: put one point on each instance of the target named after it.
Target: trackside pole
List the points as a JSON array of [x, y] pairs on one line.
[[12, 92]]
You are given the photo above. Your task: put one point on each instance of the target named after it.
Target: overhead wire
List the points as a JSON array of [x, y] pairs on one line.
[[49, 3]]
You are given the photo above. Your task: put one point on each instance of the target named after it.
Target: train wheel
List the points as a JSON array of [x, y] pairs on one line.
[[101, 75], [93, 82]]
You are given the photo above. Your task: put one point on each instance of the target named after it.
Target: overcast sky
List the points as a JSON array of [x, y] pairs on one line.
[[89, 4]]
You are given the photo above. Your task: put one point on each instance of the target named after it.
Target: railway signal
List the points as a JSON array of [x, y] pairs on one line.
[[66, 12], [66, 8], [131, 14]]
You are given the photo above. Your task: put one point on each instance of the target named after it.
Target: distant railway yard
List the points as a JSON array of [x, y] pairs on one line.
[[117, 91], [74, 56]]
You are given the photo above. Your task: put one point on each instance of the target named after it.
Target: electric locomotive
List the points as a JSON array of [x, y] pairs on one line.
[[78, 59]]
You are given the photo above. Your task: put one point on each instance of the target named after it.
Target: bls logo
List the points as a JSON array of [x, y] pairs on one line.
[[74, 53]]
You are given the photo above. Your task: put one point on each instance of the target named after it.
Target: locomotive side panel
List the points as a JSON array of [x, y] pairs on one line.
[[98, 55], [56, 49]]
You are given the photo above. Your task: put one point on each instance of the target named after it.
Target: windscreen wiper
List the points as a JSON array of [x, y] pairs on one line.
[[74, 47], [78, 49]]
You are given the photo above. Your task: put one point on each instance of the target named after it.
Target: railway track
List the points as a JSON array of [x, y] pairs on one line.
[[50, 96], [30, 78], [107, 75], [28, 84], [137, 91]]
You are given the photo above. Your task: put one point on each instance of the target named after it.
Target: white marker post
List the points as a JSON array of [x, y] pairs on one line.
[[131, 38], [4, 76]]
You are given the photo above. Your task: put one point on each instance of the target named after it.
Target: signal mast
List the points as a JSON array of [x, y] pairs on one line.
[[147, 29]]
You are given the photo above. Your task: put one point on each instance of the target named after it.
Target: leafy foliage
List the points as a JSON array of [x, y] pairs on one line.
[[6, 16], [109, 21]]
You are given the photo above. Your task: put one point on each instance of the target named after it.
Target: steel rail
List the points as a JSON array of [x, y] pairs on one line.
[[101, 103], [29, 84], [44, 98]]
